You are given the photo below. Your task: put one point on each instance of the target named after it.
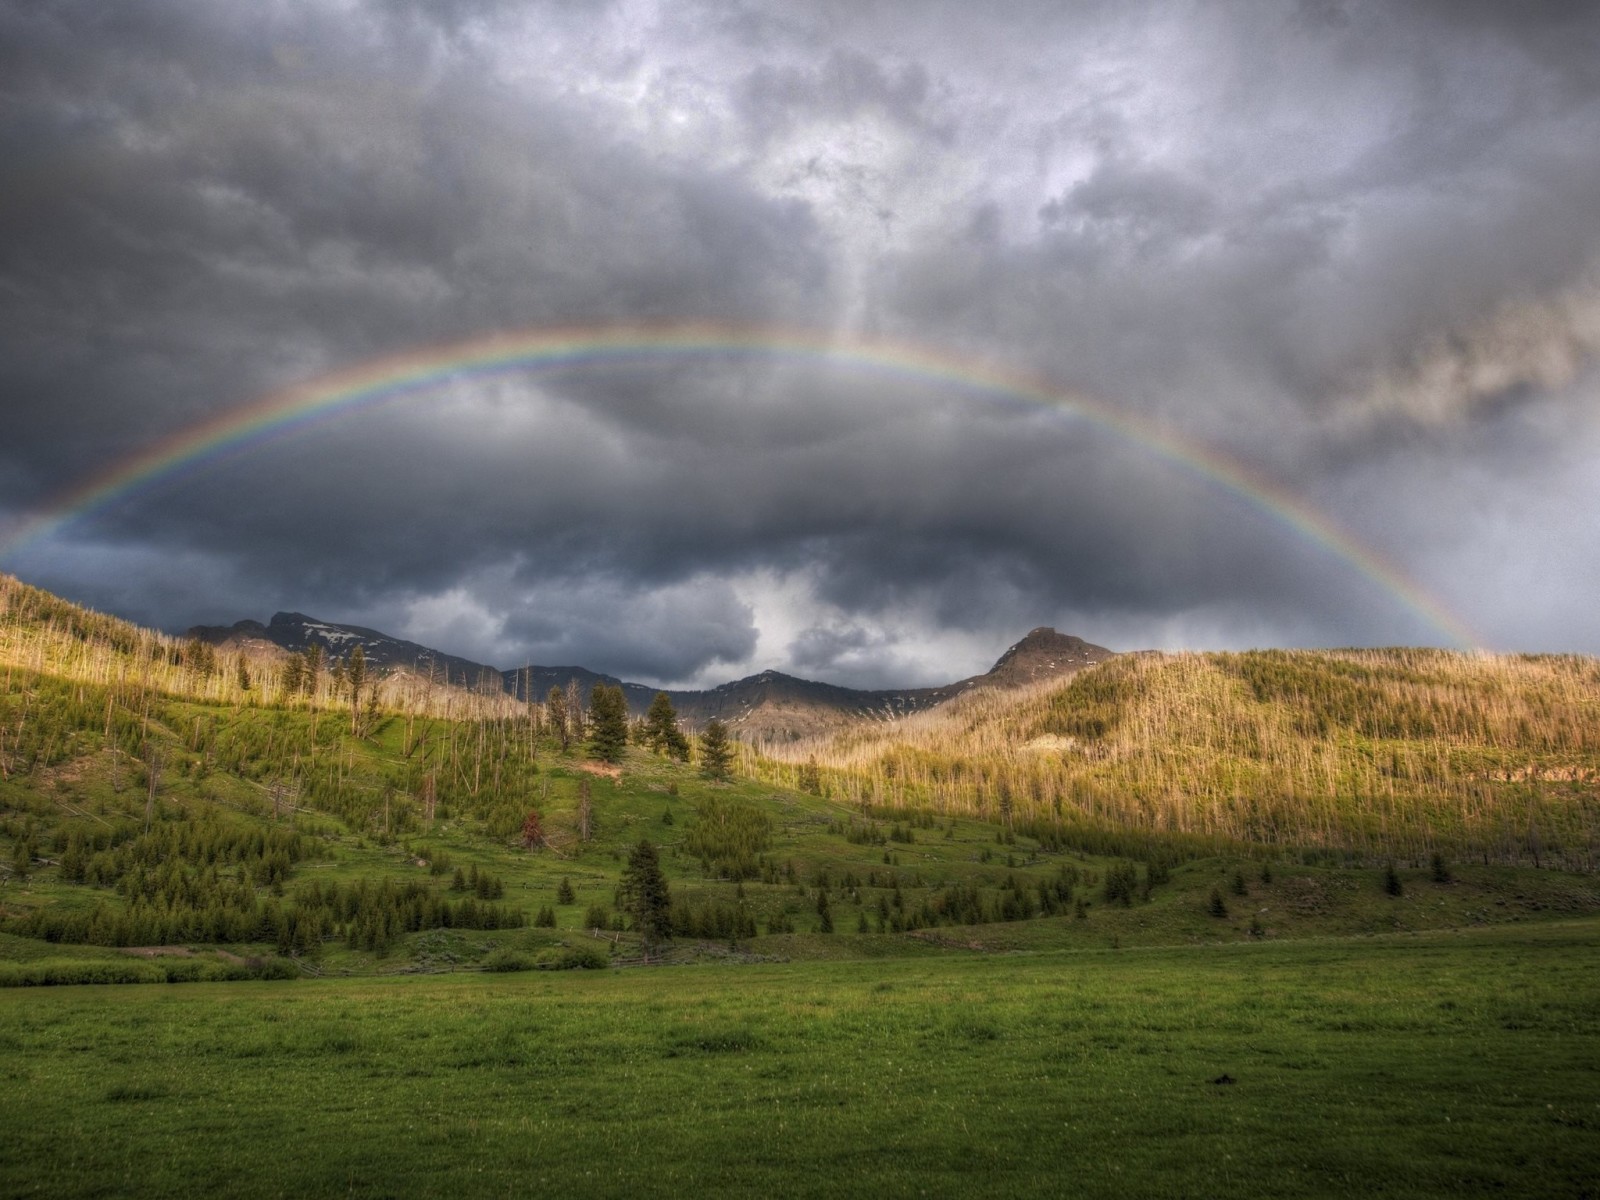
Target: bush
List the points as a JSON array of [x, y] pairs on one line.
[[571, 958], [507, 959]]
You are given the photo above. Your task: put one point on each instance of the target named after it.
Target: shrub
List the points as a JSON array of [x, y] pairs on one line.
[[507, 959]]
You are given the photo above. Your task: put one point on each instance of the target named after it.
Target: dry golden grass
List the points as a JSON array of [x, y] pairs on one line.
[[44, 634], [1376, 751]]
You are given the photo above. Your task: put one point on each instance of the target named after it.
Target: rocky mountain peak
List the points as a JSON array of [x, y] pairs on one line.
[[1042, 654]]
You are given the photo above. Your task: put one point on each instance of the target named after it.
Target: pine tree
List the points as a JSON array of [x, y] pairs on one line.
[[644, 896], [556, 705], [608, 715], [1218, 907], [564, 892], [294, 675], [355, 679], [1391, 881], [661, 732], [811, 777], [716, 755], [575, 710], [313, 669]]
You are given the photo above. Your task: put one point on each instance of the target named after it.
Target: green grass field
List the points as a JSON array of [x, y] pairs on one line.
[[1404, 1065]]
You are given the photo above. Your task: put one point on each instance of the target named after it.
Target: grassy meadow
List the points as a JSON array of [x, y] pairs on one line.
[[1404, 1065], [1192, 926]]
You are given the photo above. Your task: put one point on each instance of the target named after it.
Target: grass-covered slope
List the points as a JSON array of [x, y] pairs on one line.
[[220, 830], [1379, 752]]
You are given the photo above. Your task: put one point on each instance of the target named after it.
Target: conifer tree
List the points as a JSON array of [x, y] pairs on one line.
[[294, 675], [644, 896], [608, 717], [313, 668], [556, 704], [355, 679], [1391, 881], [661, 732], [716, 755]]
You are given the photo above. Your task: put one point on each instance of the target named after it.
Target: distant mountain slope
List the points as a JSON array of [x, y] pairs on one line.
[[1043, 654], [293, 632], [764, 708]]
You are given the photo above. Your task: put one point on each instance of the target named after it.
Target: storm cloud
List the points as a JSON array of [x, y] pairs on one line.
[[1354, 247]]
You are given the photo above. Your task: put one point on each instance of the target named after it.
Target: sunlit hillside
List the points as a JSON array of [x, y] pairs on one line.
[[42, 633], [1373, 751]]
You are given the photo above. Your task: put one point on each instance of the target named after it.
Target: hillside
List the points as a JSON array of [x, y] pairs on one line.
[[1371, 751], [769, 707], [149, 799]]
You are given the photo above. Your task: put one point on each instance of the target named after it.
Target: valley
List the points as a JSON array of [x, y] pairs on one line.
[[1277, 893]]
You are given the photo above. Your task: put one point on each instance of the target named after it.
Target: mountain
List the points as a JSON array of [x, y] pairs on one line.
[[1043, 654], [764, 708], [293, 632]]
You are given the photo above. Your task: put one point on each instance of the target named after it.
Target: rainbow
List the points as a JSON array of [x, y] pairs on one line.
[[382, 379]]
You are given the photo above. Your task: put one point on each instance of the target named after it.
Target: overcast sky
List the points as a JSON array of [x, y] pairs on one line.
[[1356, 246]]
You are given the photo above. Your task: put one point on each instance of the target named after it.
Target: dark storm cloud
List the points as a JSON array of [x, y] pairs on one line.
[[1355, 244]]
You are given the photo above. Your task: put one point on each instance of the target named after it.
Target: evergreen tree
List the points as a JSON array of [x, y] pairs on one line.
[[1391, 881], [313, 668], [811, 777], [574, 710], [643, 895], [243, 674], [564, 892], [608, 716], [1218, 906], [661, 732], [355, 679], [716, 755], [556, 706], [294, 675]]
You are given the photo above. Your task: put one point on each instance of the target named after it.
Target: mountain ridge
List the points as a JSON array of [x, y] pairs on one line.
[[767, 706]]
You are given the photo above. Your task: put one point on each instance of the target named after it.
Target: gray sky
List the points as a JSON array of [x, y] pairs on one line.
[[1355, 246]]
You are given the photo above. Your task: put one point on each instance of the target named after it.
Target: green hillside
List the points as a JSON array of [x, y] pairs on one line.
[[150, 800], [925, 977]]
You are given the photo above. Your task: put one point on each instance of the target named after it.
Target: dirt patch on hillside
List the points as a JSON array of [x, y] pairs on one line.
[[611, 772]]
